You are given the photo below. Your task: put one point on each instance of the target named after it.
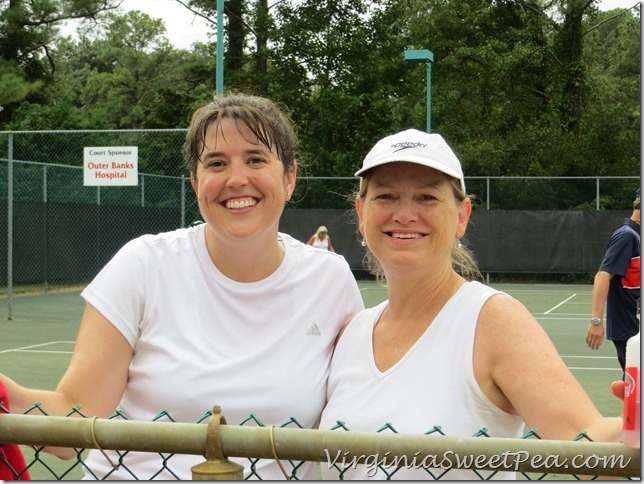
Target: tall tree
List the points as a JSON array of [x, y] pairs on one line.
[[571, 87], [334, 63], [611, 130], [127, 76], [28, 30], [501, 92], [248, 26]]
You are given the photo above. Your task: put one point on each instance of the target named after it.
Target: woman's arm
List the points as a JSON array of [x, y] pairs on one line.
[[330, 246], [519, 369], [96, 376], [311, 240], [94, 381]]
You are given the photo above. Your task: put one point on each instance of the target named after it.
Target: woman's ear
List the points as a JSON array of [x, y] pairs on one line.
[[290, 181], [360, 217], [193, 182], [464, 213]]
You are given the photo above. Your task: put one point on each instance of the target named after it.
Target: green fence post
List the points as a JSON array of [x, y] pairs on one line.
[[217, 466], [10, 229], [219, 81], [426, 57]]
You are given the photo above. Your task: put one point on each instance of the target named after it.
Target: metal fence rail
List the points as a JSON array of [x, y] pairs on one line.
[[218, 441]]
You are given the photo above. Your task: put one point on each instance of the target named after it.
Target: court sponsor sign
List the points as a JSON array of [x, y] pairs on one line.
[[111, 166]]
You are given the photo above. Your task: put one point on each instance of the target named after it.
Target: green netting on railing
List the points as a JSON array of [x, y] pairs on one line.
[[434, 454]]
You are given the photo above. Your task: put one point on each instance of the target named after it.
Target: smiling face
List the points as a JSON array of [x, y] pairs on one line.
[[410, 216], [240, 183]]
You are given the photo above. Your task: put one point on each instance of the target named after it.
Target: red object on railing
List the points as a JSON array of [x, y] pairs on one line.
[[12, 462]]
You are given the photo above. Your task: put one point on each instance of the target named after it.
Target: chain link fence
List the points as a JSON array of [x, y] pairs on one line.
[[253, 445]]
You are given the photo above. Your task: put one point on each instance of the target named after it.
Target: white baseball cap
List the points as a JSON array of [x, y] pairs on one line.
[[418, 147]]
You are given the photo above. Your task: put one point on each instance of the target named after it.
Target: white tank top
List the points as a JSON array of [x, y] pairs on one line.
[[321, 244], [432, 386]]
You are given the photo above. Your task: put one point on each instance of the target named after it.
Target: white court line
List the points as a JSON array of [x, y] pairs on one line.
[[561, 303], [35, 346], [531, 292], [43, 351], [594, 369], [583, 315], [600, 357], [563, 317], [591, 358]]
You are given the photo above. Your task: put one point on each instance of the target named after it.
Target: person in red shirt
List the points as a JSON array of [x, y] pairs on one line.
[[12, 461]]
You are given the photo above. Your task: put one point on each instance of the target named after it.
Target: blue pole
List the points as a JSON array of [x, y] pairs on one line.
[[220, 46]]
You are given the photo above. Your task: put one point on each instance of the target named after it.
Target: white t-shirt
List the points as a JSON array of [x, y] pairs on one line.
[[200, 339], [433, 385]]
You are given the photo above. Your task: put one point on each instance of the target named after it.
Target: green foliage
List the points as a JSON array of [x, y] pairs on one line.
[[519, 88], [13, 85], [28, 30]]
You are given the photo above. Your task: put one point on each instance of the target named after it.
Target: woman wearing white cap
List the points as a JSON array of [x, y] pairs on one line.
[[321, 239], [442, 350]]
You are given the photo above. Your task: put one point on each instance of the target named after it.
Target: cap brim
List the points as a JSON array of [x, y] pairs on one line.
[[417, 160]]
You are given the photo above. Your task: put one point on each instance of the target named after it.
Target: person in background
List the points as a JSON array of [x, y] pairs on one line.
[[220, 313], [617, 287], [321, 239], [443, 350]]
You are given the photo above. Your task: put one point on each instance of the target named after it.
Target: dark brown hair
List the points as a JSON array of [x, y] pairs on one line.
[[268, 122]]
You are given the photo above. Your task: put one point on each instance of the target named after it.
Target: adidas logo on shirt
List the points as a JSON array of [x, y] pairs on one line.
[[313, 330]]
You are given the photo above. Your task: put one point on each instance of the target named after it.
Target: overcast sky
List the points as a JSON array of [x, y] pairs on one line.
[[184, 28]]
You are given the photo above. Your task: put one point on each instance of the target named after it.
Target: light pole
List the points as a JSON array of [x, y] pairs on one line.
[[427, 57], [220, 47]]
